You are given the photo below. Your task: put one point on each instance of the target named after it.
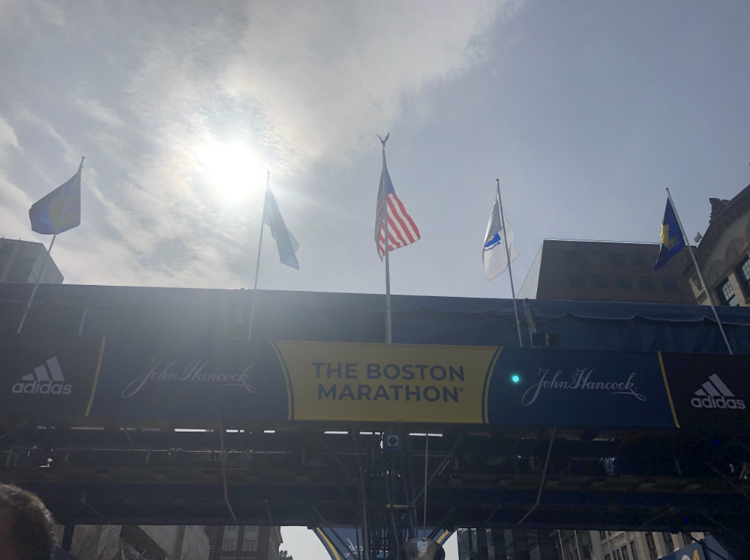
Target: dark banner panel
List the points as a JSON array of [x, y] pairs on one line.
[[562, 387], [226, 379], [710, 392], [48, 377]]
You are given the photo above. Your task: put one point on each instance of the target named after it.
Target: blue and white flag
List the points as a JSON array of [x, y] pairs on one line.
[[285, 241], [494, 253], [60, 210]]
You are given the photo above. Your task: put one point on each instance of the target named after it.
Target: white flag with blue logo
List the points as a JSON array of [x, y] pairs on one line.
[[494, 254]]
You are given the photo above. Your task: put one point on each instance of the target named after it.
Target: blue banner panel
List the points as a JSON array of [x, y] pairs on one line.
[[562, 387], [191, 379], [50, 376], [709, 392]]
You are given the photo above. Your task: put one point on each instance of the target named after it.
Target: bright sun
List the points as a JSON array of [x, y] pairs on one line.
[[234, 169]]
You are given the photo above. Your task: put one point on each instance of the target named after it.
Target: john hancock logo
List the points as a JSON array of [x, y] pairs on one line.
[[582, 379], [46, 379], [193, 372]]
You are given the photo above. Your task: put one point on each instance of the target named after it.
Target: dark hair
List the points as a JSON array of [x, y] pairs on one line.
[[30, 526]]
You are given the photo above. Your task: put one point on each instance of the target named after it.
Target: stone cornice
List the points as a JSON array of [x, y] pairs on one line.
[[738, 206]]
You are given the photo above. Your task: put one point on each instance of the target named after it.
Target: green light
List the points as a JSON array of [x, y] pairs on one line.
[[515, 378]]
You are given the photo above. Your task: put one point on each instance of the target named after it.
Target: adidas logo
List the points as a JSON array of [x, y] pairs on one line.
[[715, 394], [47, 379]]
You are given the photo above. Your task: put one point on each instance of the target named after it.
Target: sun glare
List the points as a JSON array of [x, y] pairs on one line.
[[233, 169]]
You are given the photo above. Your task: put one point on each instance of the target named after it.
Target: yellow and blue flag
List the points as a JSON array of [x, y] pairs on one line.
[[60, 210], [672, 241]]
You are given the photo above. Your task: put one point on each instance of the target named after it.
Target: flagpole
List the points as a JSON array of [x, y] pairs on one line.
[[257, 264], [388, 327], [46, 258], [700, 274], [507, 253]]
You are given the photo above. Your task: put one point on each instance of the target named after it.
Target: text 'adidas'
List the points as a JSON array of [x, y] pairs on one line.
[[715, 394], [47, 379]]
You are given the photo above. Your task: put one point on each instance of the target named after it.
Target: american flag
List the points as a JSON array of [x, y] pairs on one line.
[[402, 230]]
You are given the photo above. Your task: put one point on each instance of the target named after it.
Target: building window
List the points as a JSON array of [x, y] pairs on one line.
[[602, 535], [599, 281], [607, 557], [616, 554], [575, 280], [726, 294], [252, 529], [651, 546], [250, 544], [623, 283], [634, 550], [669, 285], [638, 259], [669, 542], [229, 544], [743, 275], [646, 283], [624, 551], [231, 529], [617, 259], [572, 257], [593, 258]]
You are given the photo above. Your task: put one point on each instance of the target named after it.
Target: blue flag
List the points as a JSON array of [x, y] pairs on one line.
[[60, 210], [285, 241], [672, 241]]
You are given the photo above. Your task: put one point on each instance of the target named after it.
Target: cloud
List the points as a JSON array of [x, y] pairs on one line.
[[146, 86], [8, 137]]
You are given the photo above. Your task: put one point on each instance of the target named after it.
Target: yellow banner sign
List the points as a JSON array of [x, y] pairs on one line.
[[394, 382]]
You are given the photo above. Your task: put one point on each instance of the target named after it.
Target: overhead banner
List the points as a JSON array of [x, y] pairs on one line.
[[50, 376], [709, 392], [562, 387], [303, 381], [224, 379], [396, 382]]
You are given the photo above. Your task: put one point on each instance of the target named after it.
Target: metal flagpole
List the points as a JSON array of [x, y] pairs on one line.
[[510, 270], [388, 330], [257, 264], [700, 274], [426, 481], [46, 258]]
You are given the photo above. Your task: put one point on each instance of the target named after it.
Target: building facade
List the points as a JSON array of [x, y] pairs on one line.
[[244, 542], [505, 544], [21, 261], [138, 542], [627, 545], [723, 253], [528, 544], [605, 271]]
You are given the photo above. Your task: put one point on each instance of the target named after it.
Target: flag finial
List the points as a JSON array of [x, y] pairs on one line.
[[382, 141]]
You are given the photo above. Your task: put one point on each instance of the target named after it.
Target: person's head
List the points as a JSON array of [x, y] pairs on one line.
[[26, 526]]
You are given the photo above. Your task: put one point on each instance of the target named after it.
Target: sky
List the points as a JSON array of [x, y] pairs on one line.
[[585, 112]]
